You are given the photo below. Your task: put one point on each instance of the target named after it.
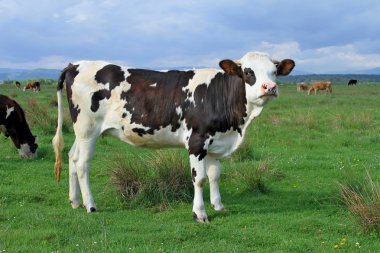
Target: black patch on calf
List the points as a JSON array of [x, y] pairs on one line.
[[141, 131], [97, 96], [249, 76], [197, 144], [193, 174], [154, 96], [68, 75], [111, 74]]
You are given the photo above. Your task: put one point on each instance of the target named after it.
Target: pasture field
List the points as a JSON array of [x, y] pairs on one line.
[[313, 142]]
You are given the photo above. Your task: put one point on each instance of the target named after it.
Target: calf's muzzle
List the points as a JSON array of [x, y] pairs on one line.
[[269, 89]]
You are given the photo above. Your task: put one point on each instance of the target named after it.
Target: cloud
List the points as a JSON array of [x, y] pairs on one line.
[[330, 59], [320, 36]]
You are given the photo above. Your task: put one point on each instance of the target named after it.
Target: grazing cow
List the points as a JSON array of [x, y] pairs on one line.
[[352, 82], [13, 124], [301, 86], [325, 85], [35, 86], [207, 111], [18, 85]]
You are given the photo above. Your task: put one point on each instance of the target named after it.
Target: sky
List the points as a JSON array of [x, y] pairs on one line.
[[324, 36]]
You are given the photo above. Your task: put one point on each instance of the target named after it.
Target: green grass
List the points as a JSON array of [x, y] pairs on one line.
[[313, 142]]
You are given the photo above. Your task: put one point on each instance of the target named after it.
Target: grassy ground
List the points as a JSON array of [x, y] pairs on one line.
[[313, 142]]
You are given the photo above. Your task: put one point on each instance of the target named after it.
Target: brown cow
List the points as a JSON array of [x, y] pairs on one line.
[[316, 86], [35, 86], [301, 86]]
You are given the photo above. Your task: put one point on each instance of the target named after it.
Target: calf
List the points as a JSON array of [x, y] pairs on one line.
[[301, 86], [326, 85], [352, 82], [35, 86], [13, 124], [206, 111], [18, 85]]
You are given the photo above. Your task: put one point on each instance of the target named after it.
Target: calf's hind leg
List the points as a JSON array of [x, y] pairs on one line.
[[82, 155], [74, 189]]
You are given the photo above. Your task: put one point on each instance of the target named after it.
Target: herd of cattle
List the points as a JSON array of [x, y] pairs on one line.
[[320, 85], [206, 111]]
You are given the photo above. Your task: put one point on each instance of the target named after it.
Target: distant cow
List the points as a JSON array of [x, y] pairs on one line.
[[18, 85], [301, 86], [206, 111], [13, 124], [317, 86], [352, 82], [35, 86]]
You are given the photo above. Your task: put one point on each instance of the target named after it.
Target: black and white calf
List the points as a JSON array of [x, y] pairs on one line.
[[206, 111], [13, 124]]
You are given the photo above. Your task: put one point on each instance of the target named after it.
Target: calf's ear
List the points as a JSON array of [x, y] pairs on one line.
[[231, 68], [284, 67]]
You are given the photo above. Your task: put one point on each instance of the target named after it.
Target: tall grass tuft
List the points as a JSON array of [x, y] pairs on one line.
[[157, 179], [255, 179], [363, 201]]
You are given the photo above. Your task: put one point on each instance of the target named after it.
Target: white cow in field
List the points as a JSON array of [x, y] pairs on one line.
[[206, 111]]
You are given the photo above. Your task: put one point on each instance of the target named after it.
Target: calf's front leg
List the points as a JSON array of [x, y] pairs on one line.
[[198, 174], [213, 173]]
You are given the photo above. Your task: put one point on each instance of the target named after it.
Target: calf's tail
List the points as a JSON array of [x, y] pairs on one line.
[[58, 138]]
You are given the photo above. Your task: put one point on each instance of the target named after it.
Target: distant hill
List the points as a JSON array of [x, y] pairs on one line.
[[296, 72], [21, 74], [374, 71]]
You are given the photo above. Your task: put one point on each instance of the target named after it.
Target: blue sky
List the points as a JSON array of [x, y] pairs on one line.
[[321, 36]]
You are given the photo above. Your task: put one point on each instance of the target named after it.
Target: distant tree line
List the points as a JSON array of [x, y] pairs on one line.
[[335, 79]]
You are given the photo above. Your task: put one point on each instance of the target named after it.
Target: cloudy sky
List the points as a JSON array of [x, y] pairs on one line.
[[322, 36]]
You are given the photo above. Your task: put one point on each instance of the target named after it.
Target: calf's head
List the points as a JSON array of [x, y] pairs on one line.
[[27, 147], [259, 73]]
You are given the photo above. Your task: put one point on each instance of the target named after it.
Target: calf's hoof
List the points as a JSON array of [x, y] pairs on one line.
[[200, 218], [92, 210], [74, 204], [218, 207]]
